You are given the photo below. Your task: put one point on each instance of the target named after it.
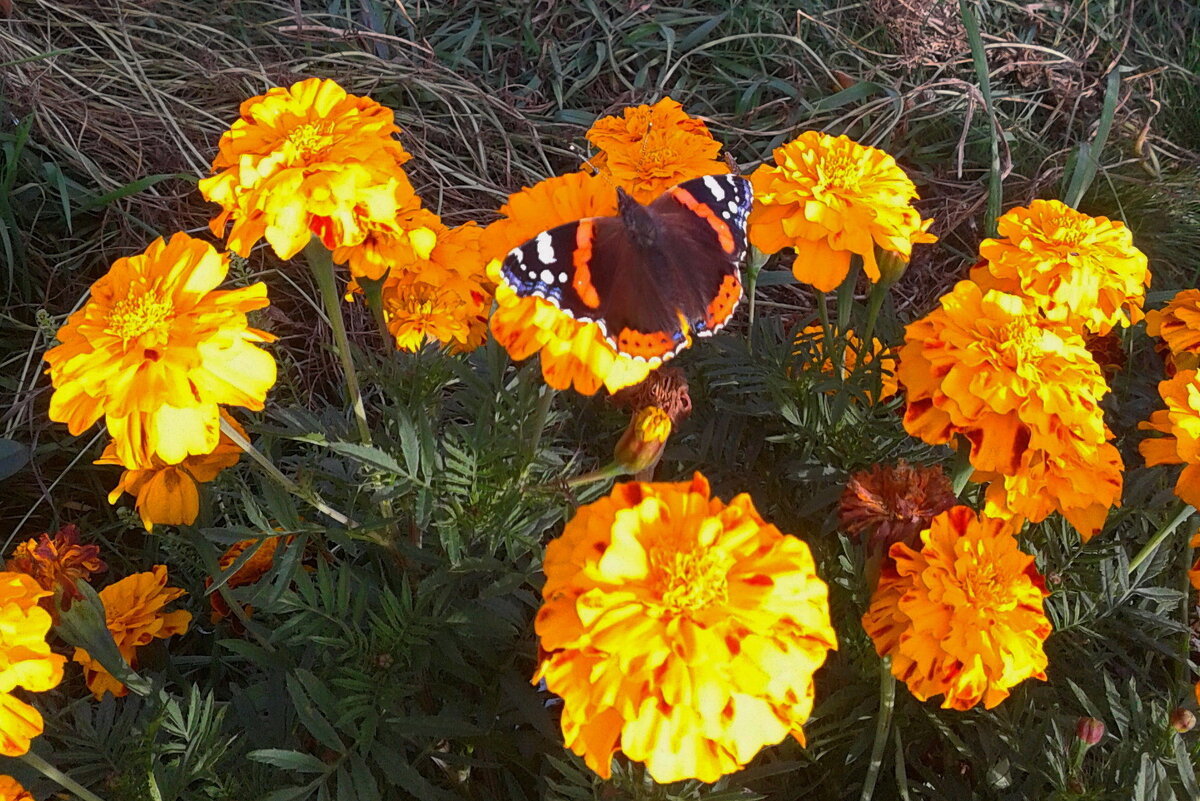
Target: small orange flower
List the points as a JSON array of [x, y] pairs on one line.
[[157, 349], [1064, 260], [11, 790], [830, 198], [309, 159], [680, 630], [250, 572], [810, 344], [26, 660], [894, 503], [133, 612], [1178, 323], [55, 564], [649, 149], [641, 446], [408, 239], [1180, 423], [169, 494], [961, 617]]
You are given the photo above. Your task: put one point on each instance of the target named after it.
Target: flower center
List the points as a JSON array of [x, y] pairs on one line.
[[1067, 230], [311, 138], [689, 581], [140, 313], [839, 172], [1021, 344]]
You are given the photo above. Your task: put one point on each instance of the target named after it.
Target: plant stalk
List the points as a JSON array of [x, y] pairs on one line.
[[1183, 513], [883, 722], [56, 775]]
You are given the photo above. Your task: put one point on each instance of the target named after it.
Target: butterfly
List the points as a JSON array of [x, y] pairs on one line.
[[650, 277]]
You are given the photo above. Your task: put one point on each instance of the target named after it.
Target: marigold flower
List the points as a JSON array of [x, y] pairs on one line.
[[133, 611], [156, 349], [309, 159], [11, 790], [810, 344], [1194, 573], [961, 617], [573, 354], [169, 494], [830, 197], [1178, 324], [648, 149], [55, 563], [1085, 266], [893, 503], [1180, 425], [250, 572], [25, 659], [680, 630], [641, 446], [405, 241]]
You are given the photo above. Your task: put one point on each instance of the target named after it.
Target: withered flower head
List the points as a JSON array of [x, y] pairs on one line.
[[666, 388], [893, 503], [58, 561]]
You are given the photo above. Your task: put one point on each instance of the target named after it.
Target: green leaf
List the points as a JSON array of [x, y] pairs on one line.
[[289, 760], [369, 456], [13, 456]]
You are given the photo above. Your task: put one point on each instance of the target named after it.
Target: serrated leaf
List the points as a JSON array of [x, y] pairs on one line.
[[289, 760], [369, 456]]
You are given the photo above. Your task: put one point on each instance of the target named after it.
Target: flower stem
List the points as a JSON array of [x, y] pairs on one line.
[[56, 775], [883, 721], [830, 348], [373, 290], [753, 269], [1183, 513], [320, 261], [274, 472], [962, 468], [879, 291], [538, 422]]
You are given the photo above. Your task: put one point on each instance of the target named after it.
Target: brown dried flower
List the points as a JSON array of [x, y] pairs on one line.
[[57, 562], [894, 503], [666, 388]]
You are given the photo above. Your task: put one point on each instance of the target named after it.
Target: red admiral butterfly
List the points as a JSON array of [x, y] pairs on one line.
[[651, 276]]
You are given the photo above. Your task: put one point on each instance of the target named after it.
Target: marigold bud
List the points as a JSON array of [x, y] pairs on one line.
[[641, 446], [1090, 730], [891, 265], [1182, 720]]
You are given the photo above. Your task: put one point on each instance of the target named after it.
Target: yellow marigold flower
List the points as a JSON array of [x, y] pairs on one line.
[[812, 338], [992, 367], [1178, 324], [133, 611], [309, 159], [1063, 259], [573, 354], [641, 446], [156, 349], [25, 659], [680, 630], [961, 617], [1180, 423], [829, 198], [648, 149], [250, 572], [55, 563], [1081, 483], [168, 494], [409, 239], [11, 790]]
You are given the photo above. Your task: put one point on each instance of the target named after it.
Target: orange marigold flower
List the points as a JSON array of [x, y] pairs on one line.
[[894, 503], [55, 563], [309, 159], [961, 617], [991, 367], [11, 790], [1085, 266], [169, 494], [1194, 573], [810, 345], [1178, 324], [25, 659], [156, 349], [680, 630], [250, 572], [407, 240], [648, 149], [1180, 425], [829, 198], [133, 612], [572, 353]]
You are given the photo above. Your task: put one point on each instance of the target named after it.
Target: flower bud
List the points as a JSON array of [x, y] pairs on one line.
[[1090, 730], [1182, 720], [641, 446], [891, 265]]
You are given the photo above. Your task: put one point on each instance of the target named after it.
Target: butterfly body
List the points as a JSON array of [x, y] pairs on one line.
[[652, 276]]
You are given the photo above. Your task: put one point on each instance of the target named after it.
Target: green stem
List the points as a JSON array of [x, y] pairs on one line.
[[883, 721], [829, 347], [320, 261], [54, 774], [962, 469], [373, 291], [874, 304], [611, 471], [753, 269], [1168, 528], [538, 422], [271, 470]]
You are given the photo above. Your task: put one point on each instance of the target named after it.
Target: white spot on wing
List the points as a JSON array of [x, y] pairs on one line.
[[545, 248], [547, 277], [714, 185], [562, 278]]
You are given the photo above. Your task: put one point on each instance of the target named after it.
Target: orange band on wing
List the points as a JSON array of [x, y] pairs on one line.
[[719, 226], [582, 282], [724, 304], [645, 345]]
